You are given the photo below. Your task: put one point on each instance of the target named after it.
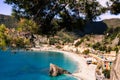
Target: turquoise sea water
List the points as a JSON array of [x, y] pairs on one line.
[[29, 65]]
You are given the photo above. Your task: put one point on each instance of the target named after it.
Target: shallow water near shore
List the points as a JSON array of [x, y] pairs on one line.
[[32, 65]]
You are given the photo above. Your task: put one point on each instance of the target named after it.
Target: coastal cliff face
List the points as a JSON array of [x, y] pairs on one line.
[[115, 72]]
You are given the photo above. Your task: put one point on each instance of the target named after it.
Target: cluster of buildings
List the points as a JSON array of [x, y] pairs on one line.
[[106, 59]]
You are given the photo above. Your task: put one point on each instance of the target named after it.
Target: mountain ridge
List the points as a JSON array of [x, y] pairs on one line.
[[8, 21]]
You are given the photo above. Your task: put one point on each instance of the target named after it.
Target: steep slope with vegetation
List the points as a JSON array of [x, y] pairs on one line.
[[112, 23], [8, 21]]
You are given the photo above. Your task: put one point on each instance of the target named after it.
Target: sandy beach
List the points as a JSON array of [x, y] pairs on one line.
[[85, 72]]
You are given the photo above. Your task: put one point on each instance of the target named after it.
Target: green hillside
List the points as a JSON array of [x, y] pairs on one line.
[[112, 23], [8, 21]]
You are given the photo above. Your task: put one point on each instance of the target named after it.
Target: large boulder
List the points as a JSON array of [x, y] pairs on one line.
[[115, 71], [56, 71]]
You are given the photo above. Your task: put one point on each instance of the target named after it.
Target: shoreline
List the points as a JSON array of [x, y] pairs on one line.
[[84, 72]]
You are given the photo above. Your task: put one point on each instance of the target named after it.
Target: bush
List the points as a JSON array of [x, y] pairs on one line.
[[20, 42], [89, 45], [59, 47], [78, 43], [116, 48], [102, 48], [2, 43], [106, 73], [2, 28], [113, 32], [87, 38], [53, 41], [96, 45], [66, 37], [27, 25], [109, 49], [86, 52]]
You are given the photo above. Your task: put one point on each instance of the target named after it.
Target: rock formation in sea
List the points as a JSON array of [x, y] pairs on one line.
[[115, 72], [56, 71]]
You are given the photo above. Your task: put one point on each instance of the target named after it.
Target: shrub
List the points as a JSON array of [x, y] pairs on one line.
[[66, 37], [102, 48], [20, 42], [106, 73], [2, 28], [109, 49], [59, 47], [53, 41], [116, 48], [79, 42], [113, 32], [89, 45], [27, 42], [2, 43], [96, 45], [86, 52], [27, 25], [87, 38]]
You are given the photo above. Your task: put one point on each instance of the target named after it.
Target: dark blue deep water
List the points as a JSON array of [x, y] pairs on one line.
[[30, 65]]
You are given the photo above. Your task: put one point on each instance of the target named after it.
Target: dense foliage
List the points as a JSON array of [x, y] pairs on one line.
[[106, 73], [2, 36], [8, 21], [115, 7], [11, 38], [68, 12], [53, 15], [27, 26]]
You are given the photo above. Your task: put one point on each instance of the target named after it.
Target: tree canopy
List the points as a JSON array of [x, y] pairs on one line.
[[46, 13], [115, 7]]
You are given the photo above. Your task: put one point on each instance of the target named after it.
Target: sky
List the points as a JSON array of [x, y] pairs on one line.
[[7, 9], [107, 15]]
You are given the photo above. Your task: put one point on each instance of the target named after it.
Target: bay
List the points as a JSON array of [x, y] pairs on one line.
[[33, 65]]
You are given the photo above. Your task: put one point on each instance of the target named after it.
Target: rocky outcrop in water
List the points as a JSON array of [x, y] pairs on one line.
[[115, 72], [56, 71]]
